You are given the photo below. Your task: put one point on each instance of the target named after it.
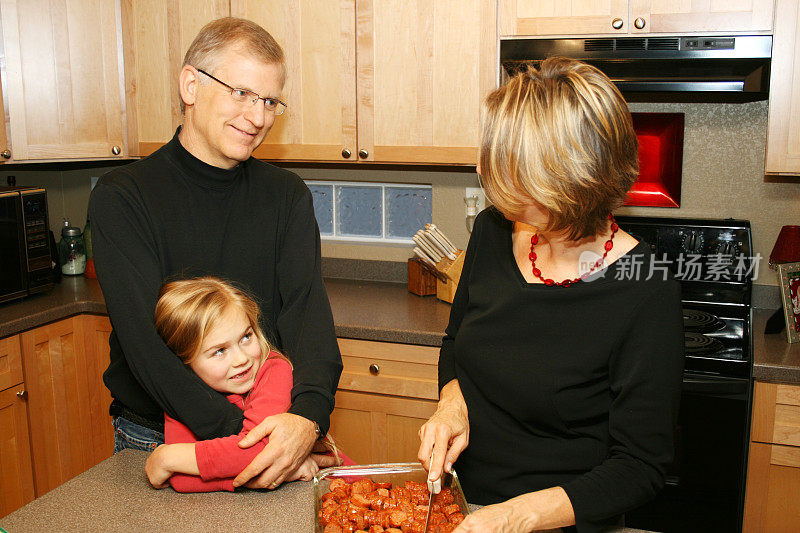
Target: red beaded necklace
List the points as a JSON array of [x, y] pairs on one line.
[[567, 282]]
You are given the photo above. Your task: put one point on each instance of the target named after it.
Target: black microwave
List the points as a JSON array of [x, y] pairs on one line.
[[25, 254]]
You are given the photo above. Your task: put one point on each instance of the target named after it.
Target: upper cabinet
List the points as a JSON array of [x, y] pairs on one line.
[[423, 69], [318, 40], [783, 130], [627, 17], [63, 80], [157, 35], [367, 80]]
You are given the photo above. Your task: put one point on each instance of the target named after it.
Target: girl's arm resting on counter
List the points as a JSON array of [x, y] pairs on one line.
[[169, 459]]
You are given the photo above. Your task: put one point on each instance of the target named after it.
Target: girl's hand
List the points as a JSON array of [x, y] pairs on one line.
[[447, 429], [305, 472], [501, 517], [156, 467]]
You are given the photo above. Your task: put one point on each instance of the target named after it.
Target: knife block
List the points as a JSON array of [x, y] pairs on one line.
[[445, 291], [421, 280]]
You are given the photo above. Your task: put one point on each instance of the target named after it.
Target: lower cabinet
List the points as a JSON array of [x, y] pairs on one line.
[[773, 471], [55, 422], [16, 474], [67, 402], [386, 392]]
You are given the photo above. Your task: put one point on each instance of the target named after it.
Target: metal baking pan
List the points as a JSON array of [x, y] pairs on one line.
[[394, 473]]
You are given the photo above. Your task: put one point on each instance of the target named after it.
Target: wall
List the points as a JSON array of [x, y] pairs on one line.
[[722, 177]]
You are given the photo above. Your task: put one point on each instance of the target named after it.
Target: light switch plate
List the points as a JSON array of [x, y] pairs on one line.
[[480, 193]]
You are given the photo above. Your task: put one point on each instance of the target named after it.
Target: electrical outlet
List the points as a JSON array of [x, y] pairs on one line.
[[480, 193]]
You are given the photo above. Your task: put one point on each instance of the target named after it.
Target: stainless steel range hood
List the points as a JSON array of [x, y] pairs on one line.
[[662, 69]]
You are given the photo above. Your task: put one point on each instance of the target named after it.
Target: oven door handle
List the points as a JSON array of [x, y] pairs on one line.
[[717, 386]]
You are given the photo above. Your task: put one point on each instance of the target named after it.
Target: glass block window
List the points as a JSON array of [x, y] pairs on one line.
[[370, 212]]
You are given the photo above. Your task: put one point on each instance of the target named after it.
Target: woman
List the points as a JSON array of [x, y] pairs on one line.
[[560, 370]]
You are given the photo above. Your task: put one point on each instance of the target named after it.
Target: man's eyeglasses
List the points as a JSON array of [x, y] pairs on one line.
[[273, 105]]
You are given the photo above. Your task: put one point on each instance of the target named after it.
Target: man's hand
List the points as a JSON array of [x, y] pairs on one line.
[[291, 438]]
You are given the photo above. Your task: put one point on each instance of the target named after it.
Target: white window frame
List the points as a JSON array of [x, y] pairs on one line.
[[366, 239]]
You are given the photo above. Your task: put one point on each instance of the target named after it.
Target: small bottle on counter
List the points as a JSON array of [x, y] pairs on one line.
[[72, 250]]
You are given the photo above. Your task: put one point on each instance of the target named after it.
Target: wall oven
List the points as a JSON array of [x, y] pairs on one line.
[[705, 483], [25, 254]]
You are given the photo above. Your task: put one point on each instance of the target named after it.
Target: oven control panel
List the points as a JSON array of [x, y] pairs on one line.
[[698, 249]]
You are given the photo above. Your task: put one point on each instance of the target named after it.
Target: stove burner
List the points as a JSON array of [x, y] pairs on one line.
[[697, 344], [700, 321]]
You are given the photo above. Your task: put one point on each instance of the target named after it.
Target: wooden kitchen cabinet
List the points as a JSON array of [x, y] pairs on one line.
[[318, 39], [627, 17], [423, 69], [773, 471], [367, 80], [783, 129], [156, 36], [70, 428], [386, 392], [16, 472], [63, 79]]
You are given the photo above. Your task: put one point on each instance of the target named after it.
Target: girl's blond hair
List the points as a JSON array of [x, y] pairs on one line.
[[560, 136], [188, 309]]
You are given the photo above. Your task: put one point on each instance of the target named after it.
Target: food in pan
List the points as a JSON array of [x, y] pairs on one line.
[[372, 507]]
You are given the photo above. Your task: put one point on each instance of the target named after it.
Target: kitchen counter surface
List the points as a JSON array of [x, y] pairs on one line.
[[775, 359], [402, 316], [115, 496], [369, 310]]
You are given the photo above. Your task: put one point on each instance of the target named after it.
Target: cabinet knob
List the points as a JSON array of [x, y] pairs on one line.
[[639, 23], [22, 394], [346, 153], [115, 150], [363, 154], [6, 154], [374, 369], [617, 23]]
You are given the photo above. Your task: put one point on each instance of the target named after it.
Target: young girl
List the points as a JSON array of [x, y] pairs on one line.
[[213, 327]]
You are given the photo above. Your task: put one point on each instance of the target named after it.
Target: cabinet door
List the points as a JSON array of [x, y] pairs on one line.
[[783, 130], [5, 147], [63, 79], [681, 16], [423, 69], [563, 17], [10, 362], [69, 432], [318, 39], [16, 475], [773, 489], [157, 34], [373, 428]]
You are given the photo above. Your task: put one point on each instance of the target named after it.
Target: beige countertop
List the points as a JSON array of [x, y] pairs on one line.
[[775, 359], [370, 310], [115, 496]]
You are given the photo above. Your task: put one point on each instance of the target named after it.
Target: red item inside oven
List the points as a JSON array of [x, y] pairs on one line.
[[660, 160]]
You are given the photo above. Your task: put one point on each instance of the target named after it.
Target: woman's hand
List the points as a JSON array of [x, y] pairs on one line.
[[542, 510], [447, 429], [501, 517], [156, 467]]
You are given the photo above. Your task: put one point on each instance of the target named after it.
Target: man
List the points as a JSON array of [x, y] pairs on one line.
[[201, 205]]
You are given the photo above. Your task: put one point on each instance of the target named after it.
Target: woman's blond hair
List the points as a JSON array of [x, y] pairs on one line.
[[560, 136], [188, 309], [218, 34]]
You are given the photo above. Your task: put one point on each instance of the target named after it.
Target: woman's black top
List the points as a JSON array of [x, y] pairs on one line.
[[575, 387]]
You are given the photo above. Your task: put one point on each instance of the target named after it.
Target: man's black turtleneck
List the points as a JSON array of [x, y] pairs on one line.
[[171, 215]]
